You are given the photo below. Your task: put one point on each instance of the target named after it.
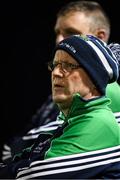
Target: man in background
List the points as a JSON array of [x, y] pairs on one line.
[[79, 17]]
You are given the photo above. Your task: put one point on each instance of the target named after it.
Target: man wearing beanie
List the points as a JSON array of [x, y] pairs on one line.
[[87, 144], [77, 17]]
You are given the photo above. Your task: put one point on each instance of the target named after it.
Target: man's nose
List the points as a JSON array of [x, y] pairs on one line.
[[58, 71], [59, 38]]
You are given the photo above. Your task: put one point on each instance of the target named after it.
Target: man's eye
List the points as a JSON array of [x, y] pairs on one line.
[[55, 64], [71, 32]]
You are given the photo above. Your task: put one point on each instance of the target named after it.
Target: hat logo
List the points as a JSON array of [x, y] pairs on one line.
[[71, 48]]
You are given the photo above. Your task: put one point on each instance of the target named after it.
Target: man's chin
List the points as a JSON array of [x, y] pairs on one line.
[[59, 99]]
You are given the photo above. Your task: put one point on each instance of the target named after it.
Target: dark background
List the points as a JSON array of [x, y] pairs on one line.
[[27, 40]]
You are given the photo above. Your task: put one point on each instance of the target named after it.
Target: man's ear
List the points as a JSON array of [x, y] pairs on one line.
[[102, 34]]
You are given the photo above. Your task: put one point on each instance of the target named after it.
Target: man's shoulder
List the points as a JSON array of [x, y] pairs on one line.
[[113, 86]]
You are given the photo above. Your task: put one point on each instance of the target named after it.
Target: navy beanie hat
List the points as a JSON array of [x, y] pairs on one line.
[[94, 56]]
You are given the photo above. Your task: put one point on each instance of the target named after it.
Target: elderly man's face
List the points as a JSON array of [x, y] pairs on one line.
[[67, 81]]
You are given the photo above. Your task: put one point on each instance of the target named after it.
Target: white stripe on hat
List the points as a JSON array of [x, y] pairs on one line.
[[113, 57], [102, 58]]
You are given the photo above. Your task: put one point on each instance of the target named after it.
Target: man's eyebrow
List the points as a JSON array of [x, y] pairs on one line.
[[72, 30], [69, 30]]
